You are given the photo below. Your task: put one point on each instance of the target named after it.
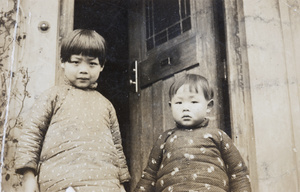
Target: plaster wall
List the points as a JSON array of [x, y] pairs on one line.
[[27, 68], [272, 40], [40, 58]]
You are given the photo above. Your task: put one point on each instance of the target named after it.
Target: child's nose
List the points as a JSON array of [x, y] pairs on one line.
[[83, 68], [185, 108]]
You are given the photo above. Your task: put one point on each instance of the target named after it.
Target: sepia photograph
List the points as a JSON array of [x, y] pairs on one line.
[[149, 95]]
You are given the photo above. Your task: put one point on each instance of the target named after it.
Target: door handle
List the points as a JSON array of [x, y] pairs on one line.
[[134, 81], [165, 62]]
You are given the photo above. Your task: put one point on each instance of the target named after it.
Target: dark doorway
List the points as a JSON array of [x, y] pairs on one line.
[[109, 19], [222, 65]]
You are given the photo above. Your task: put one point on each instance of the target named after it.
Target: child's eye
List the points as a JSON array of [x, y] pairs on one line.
[[74, 62], [178, 102], [93, 63], [195, 102]]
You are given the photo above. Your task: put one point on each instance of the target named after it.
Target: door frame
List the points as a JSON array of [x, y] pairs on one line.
[[65, 25], [238, 75], [241, 113]]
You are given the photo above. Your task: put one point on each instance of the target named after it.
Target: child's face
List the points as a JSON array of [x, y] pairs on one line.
[[189, 108], [82, 71]]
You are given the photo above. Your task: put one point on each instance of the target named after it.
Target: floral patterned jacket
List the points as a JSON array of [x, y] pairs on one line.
[[202, 159]]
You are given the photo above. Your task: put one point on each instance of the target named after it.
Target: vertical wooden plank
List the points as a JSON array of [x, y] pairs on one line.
[[238, 79], [65, 26], [207, 53], [168, 122], [157, 109], [134, 140], [135, 22], [176, 75], [147, 125], [195, 70]]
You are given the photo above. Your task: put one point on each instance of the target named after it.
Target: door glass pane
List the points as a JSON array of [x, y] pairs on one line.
[[166, 13], [166, 19]]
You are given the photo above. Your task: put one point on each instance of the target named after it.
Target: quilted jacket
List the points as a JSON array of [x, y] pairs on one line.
[[71, 137], [195, 160]]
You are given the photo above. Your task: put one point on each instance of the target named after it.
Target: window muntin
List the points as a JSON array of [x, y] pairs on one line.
[[165, 20]]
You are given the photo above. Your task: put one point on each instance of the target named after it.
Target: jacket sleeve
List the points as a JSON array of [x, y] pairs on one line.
[[149, 175], [124, 175], [33, 129], [237, 170]]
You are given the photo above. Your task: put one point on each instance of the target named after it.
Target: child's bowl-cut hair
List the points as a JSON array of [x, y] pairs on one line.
[[195, 82], [85, 42]]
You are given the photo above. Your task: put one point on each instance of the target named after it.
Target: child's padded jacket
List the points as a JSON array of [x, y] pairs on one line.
[[71, 137], [202, 159]]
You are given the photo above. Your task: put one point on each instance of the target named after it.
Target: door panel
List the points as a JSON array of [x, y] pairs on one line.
[[194, 51], [163, 63], [157, 109], [146, 122]]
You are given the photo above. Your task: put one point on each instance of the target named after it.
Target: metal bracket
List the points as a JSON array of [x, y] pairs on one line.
[[135, 80]]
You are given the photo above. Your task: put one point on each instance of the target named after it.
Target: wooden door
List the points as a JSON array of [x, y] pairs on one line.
[[165, 48]]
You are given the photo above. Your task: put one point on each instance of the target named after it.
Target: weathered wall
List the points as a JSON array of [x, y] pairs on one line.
[[14, 80], [263, 65], [268, 49], [272, 29], [27, 67]]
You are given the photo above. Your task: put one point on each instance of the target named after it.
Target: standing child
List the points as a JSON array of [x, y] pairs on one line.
[[71, 138], [193, 157]]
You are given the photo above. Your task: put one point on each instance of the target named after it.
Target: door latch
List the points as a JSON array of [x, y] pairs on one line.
[[133, 78]]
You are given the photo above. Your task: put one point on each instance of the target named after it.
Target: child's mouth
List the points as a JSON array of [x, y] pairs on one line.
[[83, 79], [186, 117]]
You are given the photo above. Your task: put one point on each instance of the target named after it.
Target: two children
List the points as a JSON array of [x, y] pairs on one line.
[[71, 137], [193, 157]]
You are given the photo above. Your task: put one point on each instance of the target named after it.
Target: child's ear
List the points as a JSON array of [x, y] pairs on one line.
[[62, 65], [102, 67], [210, 104], [170, 104]]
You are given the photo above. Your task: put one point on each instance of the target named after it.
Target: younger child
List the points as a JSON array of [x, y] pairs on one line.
[[71, 138], [193, 157]]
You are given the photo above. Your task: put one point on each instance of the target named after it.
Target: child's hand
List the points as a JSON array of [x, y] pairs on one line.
[[30, 182], [122, 188]]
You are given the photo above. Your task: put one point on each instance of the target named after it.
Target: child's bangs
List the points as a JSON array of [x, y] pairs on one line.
[[88, 47], [195, 83], [193, 86]]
